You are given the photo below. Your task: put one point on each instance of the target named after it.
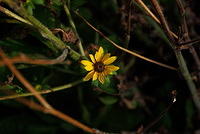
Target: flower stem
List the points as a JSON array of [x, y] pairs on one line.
[[188, 78]]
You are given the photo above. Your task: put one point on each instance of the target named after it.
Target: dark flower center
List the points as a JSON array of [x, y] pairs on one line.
[[99, 67]]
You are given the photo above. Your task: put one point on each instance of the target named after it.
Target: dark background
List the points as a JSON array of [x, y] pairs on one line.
[[144, 89]]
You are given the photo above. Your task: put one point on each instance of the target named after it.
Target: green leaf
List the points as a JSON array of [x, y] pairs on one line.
[[107, 86], [29, 6], [108, 100], [6, 87], [96, 83]]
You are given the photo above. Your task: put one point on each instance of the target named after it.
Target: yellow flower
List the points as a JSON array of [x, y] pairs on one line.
[[99, 66]]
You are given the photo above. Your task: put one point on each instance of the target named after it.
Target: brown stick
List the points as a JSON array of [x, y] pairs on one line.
[[148, 11], [25, 59], [181, 61], [23, 80], [47, 108], [124, 49], [163, 22], [187, 37]]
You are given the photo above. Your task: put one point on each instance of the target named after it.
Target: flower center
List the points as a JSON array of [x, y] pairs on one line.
[[99, 67]]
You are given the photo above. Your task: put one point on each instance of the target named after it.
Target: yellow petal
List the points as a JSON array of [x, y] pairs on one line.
[[86, 62], [99, 54], [88, 76], [100, 50], [101, 77], [110, 60], [95, 76], [92, 58], [110, 68], [89, 67], [105, 57]]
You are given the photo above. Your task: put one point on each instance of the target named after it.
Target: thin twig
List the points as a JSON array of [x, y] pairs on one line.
[[157, 119], [71, 21], [24, 59], [164, 23], [52, 90], [181, 61], [46, 108], [148, 11], [186, 35], [23, 80], [124, 49], [190, 42]]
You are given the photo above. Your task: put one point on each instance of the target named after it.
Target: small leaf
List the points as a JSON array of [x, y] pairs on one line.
[[95, 83], [30, 6]]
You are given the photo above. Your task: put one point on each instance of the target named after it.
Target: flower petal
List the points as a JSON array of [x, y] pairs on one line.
[[110, 68], [86, 62], [88, 76], [105, 57], [101, 77], [95, 76], [99, 54], [89, 67], [92, 58], [110, 60]]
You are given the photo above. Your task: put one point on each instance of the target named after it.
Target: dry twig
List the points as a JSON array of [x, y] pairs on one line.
[[124, 49], [181, 61], [186, 36], [46, 108], [23, 80], [24, 59]]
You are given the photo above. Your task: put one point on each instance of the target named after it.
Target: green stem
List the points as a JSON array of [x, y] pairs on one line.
[[59, 88], [181, 61], [13, 15], [188, 78], [57, 44], [74, 29]]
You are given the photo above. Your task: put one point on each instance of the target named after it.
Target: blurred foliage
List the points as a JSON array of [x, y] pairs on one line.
[[131, 98]]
